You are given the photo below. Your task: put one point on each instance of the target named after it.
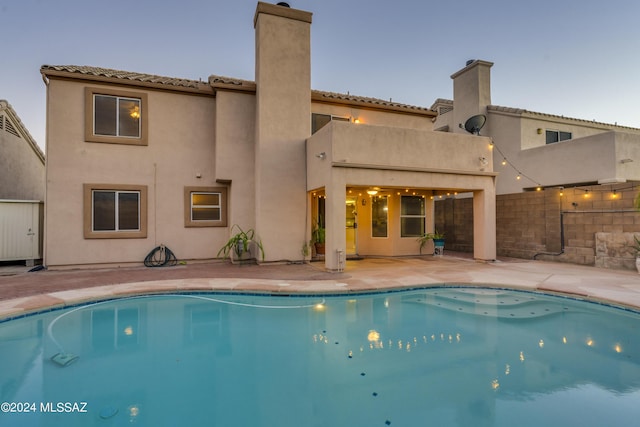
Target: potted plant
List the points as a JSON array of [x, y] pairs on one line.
[[438, 241], [318, 237], [238, 248]]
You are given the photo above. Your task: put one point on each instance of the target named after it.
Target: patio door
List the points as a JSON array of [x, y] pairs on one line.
[[351, 225]]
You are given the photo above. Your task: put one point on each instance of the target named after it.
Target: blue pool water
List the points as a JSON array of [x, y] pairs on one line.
[[436, 357]]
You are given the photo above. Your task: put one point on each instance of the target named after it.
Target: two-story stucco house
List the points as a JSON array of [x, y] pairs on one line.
[[137, 160]]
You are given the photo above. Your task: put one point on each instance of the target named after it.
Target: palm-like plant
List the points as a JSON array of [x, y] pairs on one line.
[[429, 236], [240, 243]]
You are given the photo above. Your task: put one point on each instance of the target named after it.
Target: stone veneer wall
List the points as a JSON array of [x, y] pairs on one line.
[[615, 250], [536, 223]]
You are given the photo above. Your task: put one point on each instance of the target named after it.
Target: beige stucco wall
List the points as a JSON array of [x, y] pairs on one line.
[[181, 135], [234, 154], [531, 137], [409, 148], [22, 168], [593, 158]]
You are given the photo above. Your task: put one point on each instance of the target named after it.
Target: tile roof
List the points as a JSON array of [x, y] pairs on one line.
[[221, 82], [521, 111], [373, 102], [122, 75], [318, 95]]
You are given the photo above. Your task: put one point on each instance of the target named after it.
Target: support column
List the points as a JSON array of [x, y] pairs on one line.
[[484, 224], [336, 240]]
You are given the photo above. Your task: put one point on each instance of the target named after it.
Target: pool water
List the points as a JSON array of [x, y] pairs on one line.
[[439, 356]]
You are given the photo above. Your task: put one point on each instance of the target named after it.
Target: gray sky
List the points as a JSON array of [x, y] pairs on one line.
[[574, 58]]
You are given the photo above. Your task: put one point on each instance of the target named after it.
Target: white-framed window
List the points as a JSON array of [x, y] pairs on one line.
[[556, 136], [412, 216], [116, 117], [205, 206], [379, 216], [115, 211]]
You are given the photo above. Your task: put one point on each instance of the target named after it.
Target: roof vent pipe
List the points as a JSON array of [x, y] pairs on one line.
[[283, 4]]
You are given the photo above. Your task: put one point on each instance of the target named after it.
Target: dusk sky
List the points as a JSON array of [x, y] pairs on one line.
[[579, 59]]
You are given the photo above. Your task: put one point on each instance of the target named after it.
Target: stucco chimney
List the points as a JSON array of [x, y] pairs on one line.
[[471, 91], [283, 123]]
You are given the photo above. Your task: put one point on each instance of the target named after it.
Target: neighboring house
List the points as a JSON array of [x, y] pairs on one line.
[[537, 150], [565, 187], [137, 160], [22, 188], [22, 168]]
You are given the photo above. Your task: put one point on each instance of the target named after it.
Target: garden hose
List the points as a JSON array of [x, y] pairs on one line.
[[160, 256]]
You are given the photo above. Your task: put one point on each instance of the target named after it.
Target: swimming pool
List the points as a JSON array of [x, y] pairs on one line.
[[445, 356]]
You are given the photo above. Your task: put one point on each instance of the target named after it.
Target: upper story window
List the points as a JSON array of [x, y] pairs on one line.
[[115, 117], [318, 121], [557, 136]]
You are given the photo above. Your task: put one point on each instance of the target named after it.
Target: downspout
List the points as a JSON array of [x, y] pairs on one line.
[[46, 172], [306, 247]]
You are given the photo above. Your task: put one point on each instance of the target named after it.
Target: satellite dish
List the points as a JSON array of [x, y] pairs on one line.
[[475, 123]]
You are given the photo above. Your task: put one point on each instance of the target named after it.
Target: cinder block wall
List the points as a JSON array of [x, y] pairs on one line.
[[553, 224]]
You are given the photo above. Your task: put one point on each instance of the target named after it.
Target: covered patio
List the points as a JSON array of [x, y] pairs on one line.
[[373, 188]]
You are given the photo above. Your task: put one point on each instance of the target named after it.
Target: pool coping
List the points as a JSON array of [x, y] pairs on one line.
[[610, 287]]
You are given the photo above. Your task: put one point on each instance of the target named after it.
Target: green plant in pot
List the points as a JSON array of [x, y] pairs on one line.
[[239, 246], [438, 241], [318, 237]]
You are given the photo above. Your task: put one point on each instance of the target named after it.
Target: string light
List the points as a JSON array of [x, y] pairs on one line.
[[519, 174]]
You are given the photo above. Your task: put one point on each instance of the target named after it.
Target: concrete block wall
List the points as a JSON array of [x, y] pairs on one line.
[[553, 224]]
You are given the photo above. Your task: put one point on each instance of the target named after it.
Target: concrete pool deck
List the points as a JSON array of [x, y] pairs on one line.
[[22, 292]]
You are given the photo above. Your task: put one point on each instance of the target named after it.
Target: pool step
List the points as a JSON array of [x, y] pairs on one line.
[[489, 302]]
